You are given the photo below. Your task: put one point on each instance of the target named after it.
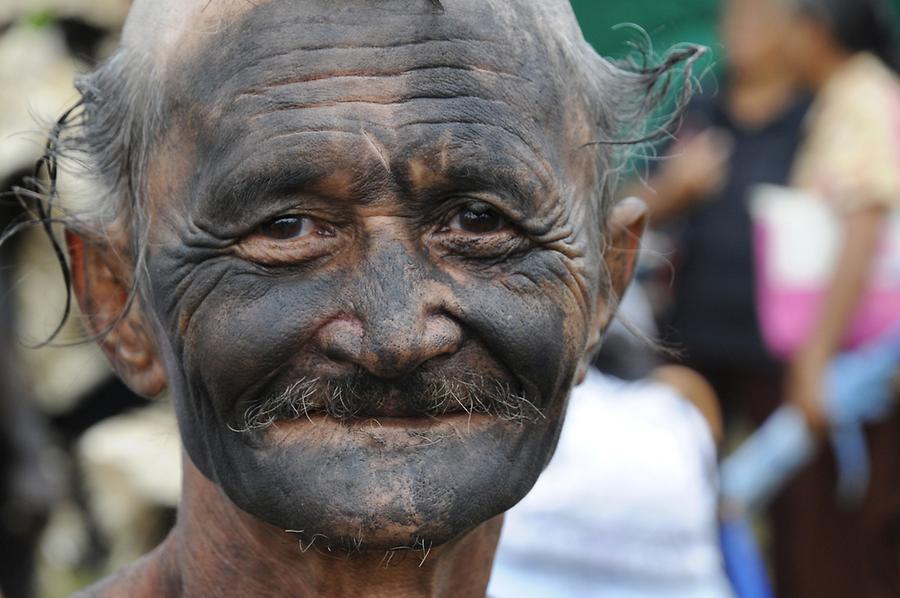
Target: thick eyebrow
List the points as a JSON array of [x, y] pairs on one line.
[[508, 176], [521, 190], [239, 189]]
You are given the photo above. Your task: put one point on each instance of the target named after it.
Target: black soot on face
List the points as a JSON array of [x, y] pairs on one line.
[[378, 241]]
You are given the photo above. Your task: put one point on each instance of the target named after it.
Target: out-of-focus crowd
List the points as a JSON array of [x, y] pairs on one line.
[[779, 202], [772, 267]]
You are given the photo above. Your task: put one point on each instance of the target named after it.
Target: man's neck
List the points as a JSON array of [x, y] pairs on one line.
[[829, 62], [756, 101], [218, 550]]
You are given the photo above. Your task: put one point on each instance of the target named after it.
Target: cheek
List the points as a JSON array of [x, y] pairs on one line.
[[533, 320], [239, 329]]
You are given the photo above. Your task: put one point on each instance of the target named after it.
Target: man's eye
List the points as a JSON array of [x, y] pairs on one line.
[[287, 227], [477, 218]]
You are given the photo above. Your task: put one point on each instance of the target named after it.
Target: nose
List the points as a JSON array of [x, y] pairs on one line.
[[389, 348], [397, 322]]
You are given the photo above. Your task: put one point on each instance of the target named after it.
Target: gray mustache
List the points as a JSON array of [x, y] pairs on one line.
[[356, 397]]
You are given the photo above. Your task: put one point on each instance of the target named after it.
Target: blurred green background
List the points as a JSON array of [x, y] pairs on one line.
[[667, 21]]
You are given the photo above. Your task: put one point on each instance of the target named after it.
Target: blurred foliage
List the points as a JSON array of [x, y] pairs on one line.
[[40, 19]]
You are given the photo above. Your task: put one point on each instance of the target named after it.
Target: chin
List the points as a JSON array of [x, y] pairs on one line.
[[382, 483]]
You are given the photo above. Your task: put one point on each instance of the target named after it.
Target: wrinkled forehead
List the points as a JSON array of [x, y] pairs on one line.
[[324, 38], [394, 60], [173, 31]]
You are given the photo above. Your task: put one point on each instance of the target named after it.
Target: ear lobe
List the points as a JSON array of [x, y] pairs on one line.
[[98, 281], [623, 240]]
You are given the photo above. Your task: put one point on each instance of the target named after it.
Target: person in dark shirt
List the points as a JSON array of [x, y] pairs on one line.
[[744, 135], [714, 312]]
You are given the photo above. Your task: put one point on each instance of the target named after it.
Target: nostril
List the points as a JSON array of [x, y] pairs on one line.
[[342, 339], [442, 336]]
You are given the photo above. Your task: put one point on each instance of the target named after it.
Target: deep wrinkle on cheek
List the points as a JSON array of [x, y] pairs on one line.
[[251, 330], [508, 319], [506, 315], [264, 311], [268, 321]]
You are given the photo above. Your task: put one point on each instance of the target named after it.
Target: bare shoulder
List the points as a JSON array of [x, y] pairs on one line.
[[145, 578], [694, 387]]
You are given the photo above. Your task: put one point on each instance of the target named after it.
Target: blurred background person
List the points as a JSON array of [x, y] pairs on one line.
[[745, 132], [758, 128], [846, 52], [627, 507]]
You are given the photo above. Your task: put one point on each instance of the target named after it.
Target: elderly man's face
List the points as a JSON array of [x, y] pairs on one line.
[[373, 267]]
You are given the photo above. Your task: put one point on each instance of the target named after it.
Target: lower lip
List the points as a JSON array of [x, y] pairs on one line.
[[400, 423], [397, 429]]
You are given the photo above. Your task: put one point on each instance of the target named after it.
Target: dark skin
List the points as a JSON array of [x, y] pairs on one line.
[[393, 192]]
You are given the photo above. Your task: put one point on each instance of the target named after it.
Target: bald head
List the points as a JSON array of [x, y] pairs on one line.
[[168, 28], [195, 46]]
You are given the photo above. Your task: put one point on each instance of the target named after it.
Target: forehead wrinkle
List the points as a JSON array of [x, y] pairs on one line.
[[438, 82], [391, 119], [295, 72], [243, 129], [471, 166], [172, 32], [386, 96], [291, 143], [385, 111], [480, 117]]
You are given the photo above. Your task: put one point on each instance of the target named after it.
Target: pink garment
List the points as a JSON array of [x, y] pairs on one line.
[[787, 314]]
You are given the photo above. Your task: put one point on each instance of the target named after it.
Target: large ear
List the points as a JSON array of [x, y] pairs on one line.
[[99, 278], [624, 230]]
